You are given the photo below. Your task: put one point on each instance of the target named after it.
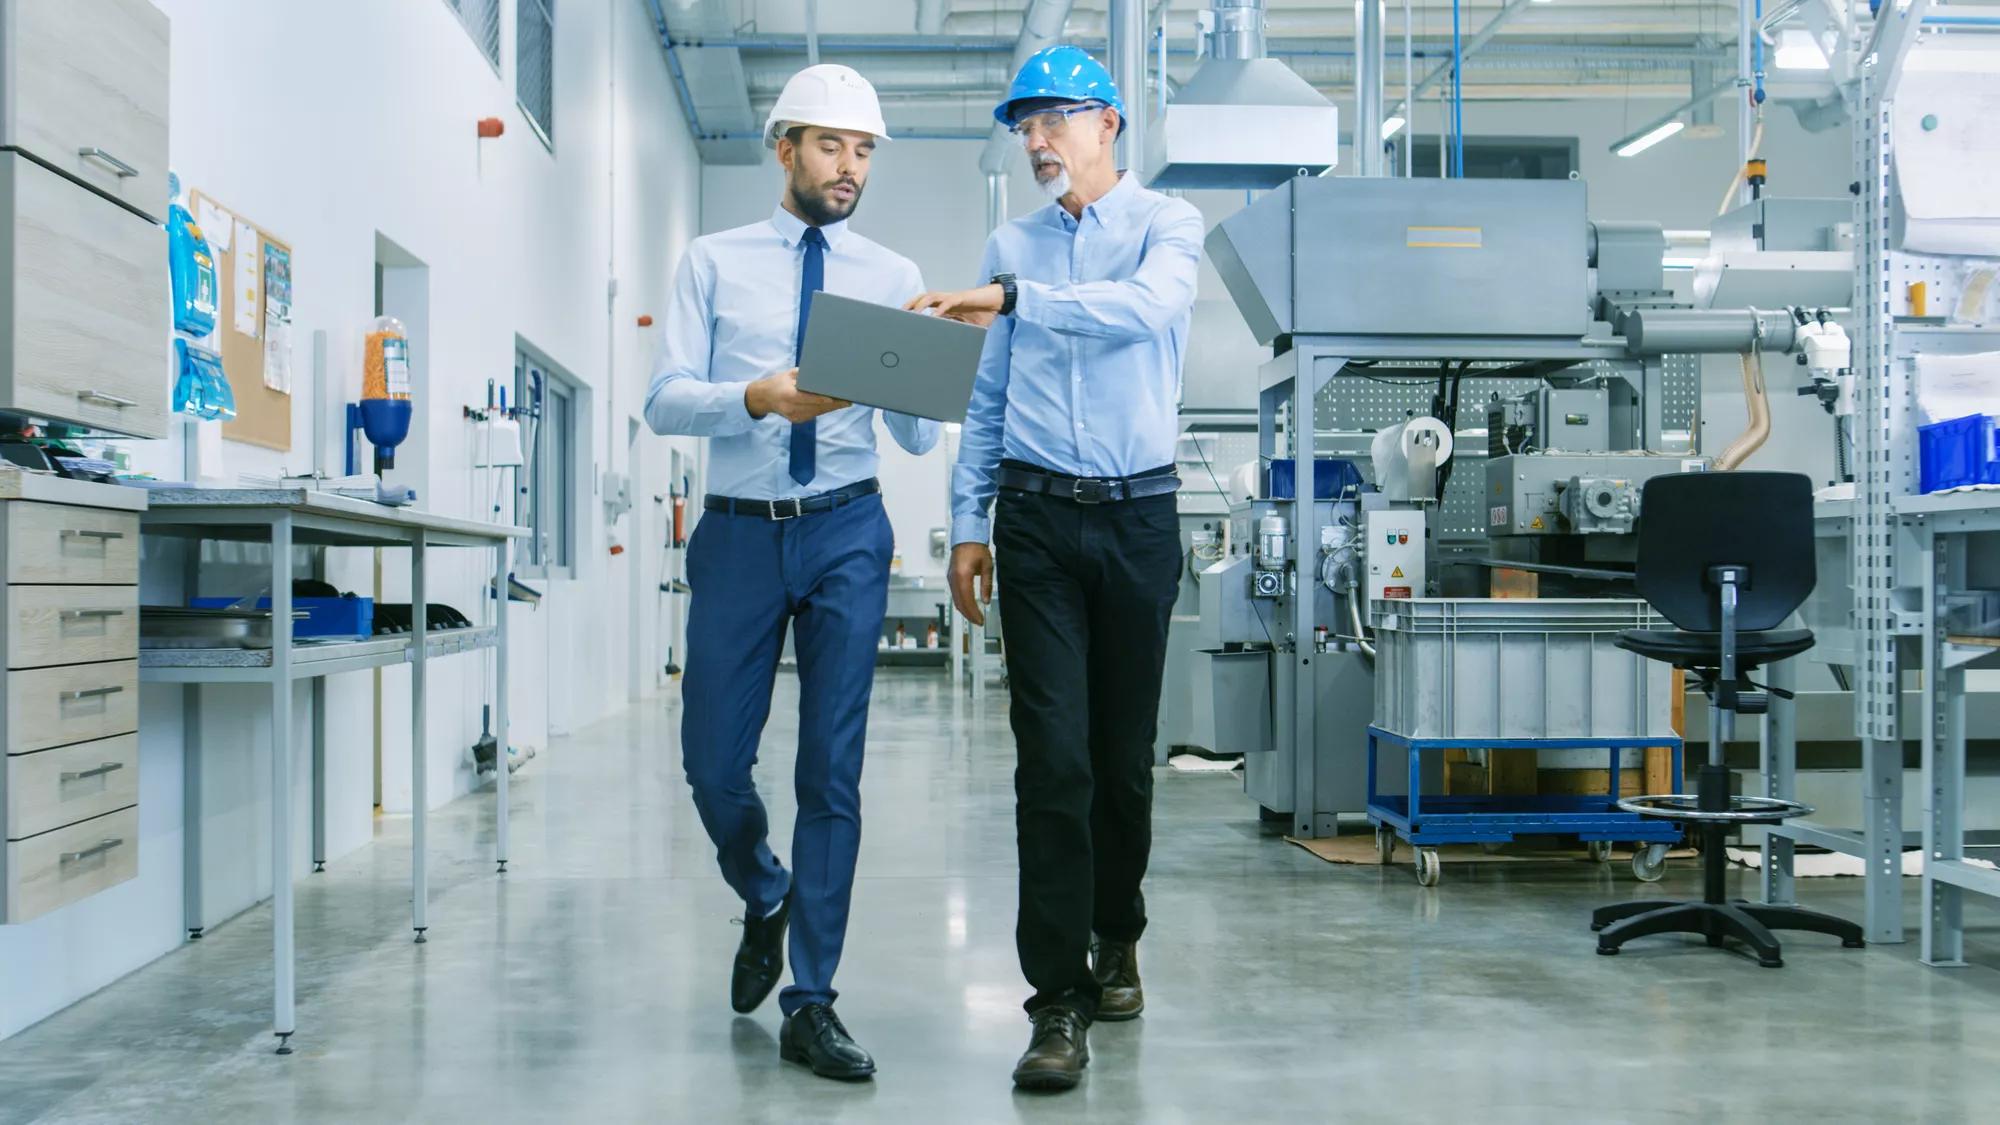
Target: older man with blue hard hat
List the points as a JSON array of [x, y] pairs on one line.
[[1073, 423], [795, 537]]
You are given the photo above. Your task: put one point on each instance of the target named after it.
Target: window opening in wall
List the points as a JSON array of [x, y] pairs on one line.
[[482, 21], [534, 65], [547, 501]]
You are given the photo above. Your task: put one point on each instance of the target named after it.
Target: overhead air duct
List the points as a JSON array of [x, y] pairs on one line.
[[1244, 120], [1041, 26]]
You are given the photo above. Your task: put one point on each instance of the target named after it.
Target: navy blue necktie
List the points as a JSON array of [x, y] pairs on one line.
[[812, 278]]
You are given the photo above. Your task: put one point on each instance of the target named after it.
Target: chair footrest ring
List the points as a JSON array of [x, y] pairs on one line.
[[1741, 810]]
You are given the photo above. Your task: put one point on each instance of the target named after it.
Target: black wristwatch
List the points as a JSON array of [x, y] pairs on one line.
[[1008, 292]]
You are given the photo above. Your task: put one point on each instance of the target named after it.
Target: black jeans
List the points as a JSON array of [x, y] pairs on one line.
[[1085, 596]]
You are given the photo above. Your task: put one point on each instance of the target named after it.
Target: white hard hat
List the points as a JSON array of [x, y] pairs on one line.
[[830, 96]]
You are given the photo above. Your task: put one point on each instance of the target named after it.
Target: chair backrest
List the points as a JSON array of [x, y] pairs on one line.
[[1691, 522]]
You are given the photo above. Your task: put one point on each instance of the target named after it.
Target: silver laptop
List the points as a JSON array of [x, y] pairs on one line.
[[883, 357]]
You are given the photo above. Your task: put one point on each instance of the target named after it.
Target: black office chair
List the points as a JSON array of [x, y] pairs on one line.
[[1726, 557]]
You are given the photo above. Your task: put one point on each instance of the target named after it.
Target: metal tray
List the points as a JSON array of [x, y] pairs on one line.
[[172, 626]]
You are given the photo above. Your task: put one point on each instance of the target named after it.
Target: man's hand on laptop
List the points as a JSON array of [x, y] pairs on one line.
[[973, 306], [780, 394]]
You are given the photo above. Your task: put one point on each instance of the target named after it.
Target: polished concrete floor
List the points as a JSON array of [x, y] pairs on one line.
[[589, 984]]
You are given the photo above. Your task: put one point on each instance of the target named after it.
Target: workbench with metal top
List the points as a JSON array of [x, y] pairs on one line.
[[287, 518]]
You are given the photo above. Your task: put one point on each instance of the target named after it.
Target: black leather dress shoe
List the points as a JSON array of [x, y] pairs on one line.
[[813, 1037], [1058, 1052], [760, 959], [1117, 972]]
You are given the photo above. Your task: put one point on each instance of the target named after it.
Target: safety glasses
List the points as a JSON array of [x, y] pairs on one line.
[[1049, 124]]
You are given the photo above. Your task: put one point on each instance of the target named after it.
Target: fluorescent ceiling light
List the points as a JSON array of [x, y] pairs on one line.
[[1798, 50], [1393, 126], [1649, 138]]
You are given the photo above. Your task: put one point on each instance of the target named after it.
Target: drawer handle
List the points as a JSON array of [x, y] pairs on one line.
[[101, 847], [108, 400], [123, 169], [92, 693], [68, 776], [106, 536], [89, 614]]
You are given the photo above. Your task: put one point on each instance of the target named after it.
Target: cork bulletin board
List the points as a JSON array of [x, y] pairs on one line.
[[263, 413]]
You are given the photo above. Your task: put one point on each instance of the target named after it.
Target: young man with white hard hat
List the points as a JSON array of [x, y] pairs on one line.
[[1073, 423], [794, 535]]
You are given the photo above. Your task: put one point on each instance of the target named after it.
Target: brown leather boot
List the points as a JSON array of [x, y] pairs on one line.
[[1117, 972], [1058, 1052]]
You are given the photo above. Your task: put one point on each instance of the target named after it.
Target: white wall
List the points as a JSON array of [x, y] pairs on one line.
[[328, 124]]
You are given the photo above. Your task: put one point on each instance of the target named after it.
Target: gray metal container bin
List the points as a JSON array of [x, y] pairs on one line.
[[1504, 669]]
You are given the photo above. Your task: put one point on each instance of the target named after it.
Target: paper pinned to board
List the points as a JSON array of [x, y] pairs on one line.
[[277, 318], [249, 291], [1954, 386], [1946, 130], [216, 225]]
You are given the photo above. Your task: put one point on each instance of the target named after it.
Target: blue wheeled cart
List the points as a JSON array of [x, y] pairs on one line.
[[1428, 821]]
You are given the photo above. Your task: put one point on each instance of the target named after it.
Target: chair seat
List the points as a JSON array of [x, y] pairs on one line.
[[1684, 649]]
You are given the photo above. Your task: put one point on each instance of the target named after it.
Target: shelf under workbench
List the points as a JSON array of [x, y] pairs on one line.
[[309, 659]]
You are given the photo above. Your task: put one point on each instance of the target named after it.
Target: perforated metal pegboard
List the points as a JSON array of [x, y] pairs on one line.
[[1680, 404]]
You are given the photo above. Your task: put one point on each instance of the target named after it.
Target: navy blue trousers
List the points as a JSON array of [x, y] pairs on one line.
[[826, 576]]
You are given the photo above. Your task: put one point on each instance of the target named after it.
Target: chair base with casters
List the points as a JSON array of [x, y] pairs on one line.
[[1717, 917]]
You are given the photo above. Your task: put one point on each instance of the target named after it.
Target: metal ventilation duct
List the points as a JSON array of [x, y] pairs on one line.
[[712, 82], [1243, 120]]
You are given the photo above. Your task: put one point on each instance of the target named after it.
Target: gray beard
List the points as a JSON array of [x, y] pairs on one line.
[[1056, 186]]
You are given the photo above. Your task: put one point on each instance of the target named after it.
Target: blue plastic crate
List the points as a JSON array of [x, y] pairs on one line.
[[1960, 452], [325, 617], [1332, 477]]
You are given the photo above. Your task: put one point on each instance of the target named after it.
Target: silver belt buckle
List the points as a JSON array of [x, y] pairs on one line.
[[798, 509], [1076, 491]]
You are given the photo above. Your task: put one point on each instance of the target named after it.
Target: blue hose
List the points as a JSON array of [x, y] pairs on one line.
[[1457, 97], [1757, 56]]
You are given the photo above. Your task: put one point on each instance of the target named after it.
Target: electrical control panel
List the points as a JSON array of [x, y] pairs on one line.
[[1395, 553]]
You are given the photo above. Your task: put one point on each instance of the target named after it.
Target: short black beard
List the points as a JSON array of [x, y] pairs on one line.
[[816, 209]]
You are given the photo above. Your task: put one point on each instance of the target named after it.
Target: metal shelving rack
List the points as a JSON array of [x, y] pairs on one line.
[[1902, 544]]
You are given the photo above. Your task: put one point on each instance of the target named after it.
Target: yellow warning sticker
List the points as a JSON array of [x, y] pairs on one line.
[[1535, 524], [1397, 573]]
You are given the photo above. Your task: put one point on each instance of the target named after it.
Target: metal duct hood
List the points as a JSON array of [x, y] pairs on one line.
[[1243, 123]]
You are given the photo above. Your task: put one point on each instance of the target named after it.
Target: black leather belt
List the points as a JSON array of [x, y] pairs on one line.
[[1088, 490], [793, 508]]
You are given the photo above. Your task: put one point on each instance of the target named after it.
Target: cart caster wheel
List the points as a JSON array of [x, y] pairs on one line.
[[1607, 951], [1385, 846], [1649, 863], [1599, 851], [1428, 867]]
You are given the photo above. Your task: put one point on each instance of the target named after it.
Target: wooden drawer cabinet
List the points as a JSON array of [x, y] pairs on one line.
[[75, 703], [53, 789], [50, 625], [62, 543], [85, 329], [57, 868], [85, 92]]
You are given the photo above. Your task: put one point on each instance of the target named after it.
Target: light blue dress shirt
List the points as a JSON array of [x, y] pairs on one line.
[[1085, 377], [732, 321]]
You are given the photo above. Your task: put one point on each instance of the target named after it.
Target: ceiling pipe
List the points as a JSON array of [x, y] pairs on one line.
[[1041, 27], [1339, 22], [1368, 66], [1128, 72], [931, 15]]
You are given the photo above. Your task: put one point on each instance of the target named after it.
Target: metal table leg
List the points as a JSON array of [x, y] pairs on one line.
[[1882, 833], [191, 913], [500, 761], [319, 773], [1944, 764], [1781, 761], [283, 937], [419, 767]]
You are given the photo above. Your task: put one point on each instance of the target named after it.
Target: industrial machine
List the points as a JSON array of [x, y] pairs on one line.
[[1386, 302]]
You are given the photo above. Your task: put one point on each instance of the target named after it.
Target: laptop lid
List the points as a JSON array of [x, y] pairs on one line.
[[884, 357]]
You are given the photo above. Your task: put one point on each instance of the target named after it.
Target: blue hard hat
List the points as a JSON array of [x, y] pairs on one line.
[[1061, 73]]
